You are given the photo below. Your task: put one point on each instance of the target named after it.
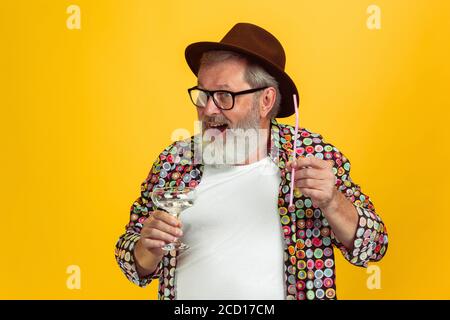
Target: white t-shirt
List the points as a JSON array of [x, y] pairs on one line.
[[235, 237]]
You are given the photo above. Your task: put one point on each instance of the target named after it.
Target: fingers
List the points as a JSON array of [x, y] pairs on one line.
[[311, 184], [150, 244], [311, 193], [309, 162], [156, 234], [162, 226], [311, 173], [166, 217]]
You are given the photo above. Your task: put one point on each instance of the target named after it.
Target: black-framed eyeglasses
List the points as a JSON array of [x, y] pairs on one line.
[[223, 99]]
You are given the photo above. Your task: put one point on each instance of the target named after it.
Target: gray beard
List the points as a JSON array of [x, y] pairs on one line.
[[235, 145]]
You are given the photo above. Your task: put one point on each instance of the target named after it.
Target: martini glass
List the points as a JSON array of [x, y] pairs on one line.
[[174, 200]]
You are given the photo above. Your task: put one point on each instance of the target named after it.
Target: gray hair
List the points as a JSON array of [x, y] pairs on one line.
[[254, 74]]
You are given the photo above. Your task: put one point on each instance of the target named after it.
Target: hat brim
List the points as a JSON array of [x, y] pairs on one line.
[[194, 52]]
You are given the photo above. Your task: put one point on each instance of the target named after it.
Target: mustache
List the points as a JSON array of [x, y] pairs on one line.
[[217, 119]]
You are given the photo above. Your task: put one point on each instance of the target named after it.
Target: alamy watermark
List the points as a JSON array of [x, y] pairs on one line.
[[225, 146], [73, 21], [73, 281], [374, 19]]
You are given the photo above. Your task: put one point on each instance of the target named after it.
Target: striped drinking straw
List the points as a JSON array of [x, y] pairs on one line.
[[291, 197]]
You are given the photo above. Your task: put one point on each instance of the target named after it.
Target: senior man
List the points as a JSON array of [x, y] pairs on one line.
[[246, 240]]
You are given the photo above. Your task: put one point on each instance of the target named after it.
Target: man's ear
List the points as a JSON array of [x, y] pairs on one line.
[[267, 100]]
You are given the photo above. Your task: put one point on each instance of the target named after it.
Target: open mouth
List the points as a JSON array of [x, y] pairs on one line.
[[220, 126]]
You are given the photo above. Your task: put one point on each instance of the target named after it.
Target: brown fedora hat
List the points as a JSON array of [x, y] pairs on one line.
[[260, 47]]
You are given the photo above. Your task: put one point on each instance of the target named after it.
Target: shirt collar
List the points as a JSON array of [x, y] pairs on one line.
[[280, 148]]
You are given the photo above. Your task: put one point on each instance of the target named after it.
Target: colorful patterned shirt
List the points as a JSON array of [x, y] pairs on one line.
[[309, 264]]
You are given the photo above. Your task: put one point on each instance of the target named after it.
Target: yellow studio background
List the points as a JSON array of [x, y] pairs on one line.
[[85, 112]]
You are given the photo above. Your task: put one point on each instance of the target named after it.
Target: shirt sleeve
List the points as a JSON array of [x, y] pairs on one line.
[[140, 210], [371, 240]]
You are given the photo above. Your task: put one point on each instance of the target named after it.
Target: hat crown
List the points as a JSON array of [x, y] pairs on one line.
[[257, 40]]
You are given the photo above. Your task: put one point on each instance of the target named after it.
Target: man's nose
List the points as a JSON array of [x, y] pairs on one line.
[[210, 107]]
